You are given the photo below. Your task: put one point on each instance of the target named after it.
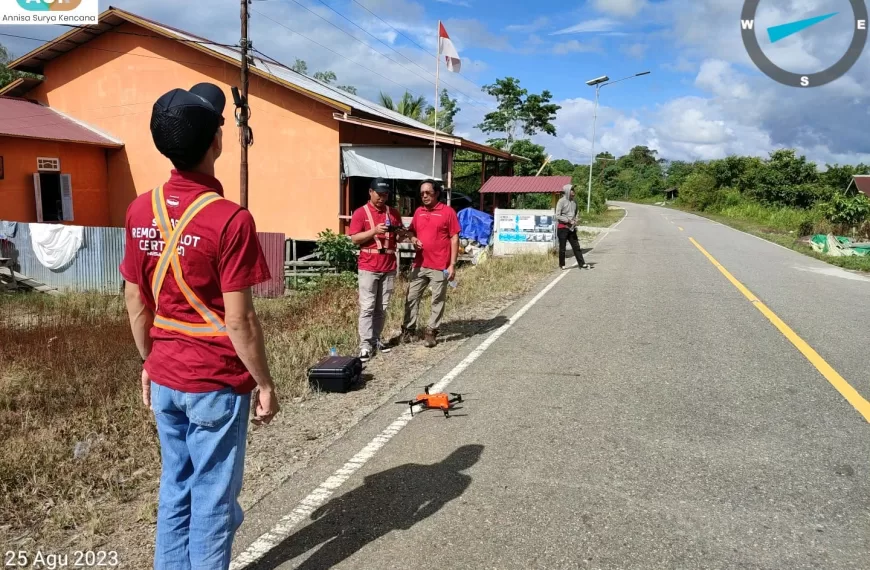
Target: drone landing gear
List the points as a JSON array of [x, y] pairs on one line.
[[441, 401]]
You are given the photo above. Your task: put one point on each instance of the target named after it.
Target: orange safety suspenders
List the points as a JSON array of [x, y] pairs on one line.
[[213, 325], [380, 248]]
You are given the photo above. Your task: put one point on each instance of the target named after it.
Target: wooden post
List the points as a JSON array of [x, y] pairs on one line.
[[243, 112], [295, 269], [450, 153], [482, 169]]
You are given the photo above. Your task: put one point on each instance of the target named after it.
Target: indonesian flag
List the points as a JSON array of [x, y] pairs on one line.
[[447, 50]]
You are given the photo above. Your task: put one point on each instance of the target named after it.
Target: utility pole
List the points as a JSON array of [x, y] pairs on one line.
[[242, 112]]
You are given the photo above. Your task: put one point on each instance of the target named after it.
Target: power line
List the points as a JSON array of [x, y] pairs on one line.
[[470, 99], [407, 38], [332, 50], [202, 42], [364, 43], [113, 51]]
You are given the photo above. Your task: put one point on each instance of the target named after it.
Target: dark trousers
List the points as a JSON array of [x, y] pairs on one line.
[[566, 235]]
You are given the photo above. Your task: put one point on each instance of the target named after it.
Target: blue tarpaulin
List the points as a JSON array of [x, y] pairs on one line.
[[475, 225]]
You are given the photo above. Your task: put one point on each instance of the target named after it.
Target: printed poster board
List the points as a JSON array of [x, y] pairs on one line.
[[519, 231]]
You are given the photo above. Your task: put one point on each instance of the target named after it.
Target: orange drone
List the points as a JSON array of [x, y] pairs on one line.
[[440, 401]]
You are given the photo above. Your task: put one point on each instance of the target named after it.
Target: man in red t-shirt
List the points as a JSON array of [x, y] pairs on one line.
[[190, 261], [375, 228], [435, 228]]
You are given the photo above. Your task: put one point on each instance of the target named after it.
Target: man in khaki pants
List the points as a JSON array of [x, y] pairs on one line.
[[435, 230], [375, 228]]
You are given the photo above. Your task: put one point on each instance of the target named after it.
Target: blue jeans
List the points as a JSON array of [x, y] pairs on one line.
[[202, 447]]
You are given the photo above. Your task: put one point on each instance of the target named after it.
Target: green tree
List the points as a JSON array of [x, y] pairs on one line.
[[447, 110], [526, 148], [676, 172], [699, 190], [560, 167], [409, 106], [518, 111], [300, 66], [787, 180], [325, 76], [7, 76], [839, 177]]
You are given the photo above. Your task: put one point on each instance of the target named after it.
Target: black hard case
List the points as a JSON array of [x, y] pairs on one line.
[[335, 373]]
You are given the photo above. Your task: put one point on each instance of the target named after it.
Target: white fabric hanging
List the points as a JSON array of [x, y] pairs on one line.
[[55, 245]]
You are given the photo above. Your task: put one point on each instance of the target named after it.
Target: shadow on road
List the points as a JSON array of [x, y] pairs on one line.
[[395, 499], [455, 330]]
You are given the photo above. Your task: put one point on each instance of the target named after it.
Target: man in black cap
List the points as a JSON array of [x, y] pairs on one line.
[[375, 228], [191, 260]]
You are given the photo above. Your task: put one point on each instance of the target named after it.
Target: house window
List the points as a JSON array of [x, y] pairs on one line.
[[47, 164], [53, 192]]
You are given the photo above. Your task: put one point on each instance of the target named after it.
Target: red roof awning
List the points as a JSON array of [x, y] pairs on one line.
[[25, 119], [525, 185]]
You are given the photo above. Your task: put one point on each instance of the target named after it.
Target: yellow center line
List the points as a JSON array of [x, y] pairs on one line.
[[681, 229], [831, 375]]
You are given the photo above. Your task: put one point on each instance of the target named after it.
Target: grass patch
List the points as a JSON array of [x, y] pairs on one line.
[[781, 226], [69, 373], [603, 220]]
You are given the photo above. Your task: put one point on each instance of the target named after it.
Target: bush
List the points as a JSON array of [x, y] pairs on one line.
[[699, 191], [338, 250], [847, 210]]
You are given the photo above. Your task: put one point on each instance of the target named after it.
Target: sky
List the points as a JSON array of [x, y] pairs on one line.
[[703, 98]]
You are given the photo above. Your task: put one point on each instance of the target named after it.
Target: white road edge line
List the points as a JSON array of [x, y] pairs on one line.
[[319, 496]]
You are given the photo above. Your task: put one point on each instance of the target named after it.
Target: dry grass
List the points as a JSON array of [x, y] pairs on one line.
[[69, 373]]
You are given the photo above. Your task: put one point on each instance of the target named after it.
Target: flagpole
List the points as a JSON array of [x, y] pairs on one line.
[[437, 70]]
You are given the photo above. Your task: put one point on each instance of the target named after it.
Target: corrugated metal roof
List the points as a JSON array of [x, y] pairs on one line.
[[270, 69], [862, 183], [525, 184], [25, 119]]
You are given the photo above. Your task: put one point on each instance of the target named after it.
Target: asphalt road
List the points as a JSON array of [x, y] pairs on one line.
[[642, 414]]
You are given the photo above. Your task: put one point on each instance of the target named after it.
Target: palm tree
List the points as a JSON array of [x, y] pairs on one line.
[[409, 106]]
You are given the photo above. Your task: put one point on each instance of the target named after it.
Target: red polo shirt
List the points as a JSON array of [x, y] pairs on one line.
[[359, 222], [219, 253], [434, 228]]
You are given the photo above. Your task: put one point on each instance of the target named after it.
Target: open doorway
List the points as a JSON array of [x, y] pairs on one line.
[[53, 192], [49, 189]]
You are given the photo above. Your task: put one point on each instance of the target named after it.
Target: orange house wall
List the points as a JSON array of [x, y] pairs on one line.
[[85, 164], [112, 82]]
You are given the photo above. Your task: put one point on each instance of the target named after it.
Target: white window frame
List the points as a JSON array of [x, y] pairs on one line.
[[47, 164]]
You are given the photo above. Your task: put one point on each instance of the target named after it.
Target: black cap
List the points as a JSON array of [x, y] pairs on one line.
[[184, 123], [212, 95], [380, 186]]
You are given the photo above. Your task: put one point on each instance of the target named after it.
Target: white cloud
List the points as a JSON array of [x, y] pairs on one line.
[[620, 7], [461, 3], [538, 24], [573, 46], [597, 25], [733, 107], [637, 50], [719, 78]]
